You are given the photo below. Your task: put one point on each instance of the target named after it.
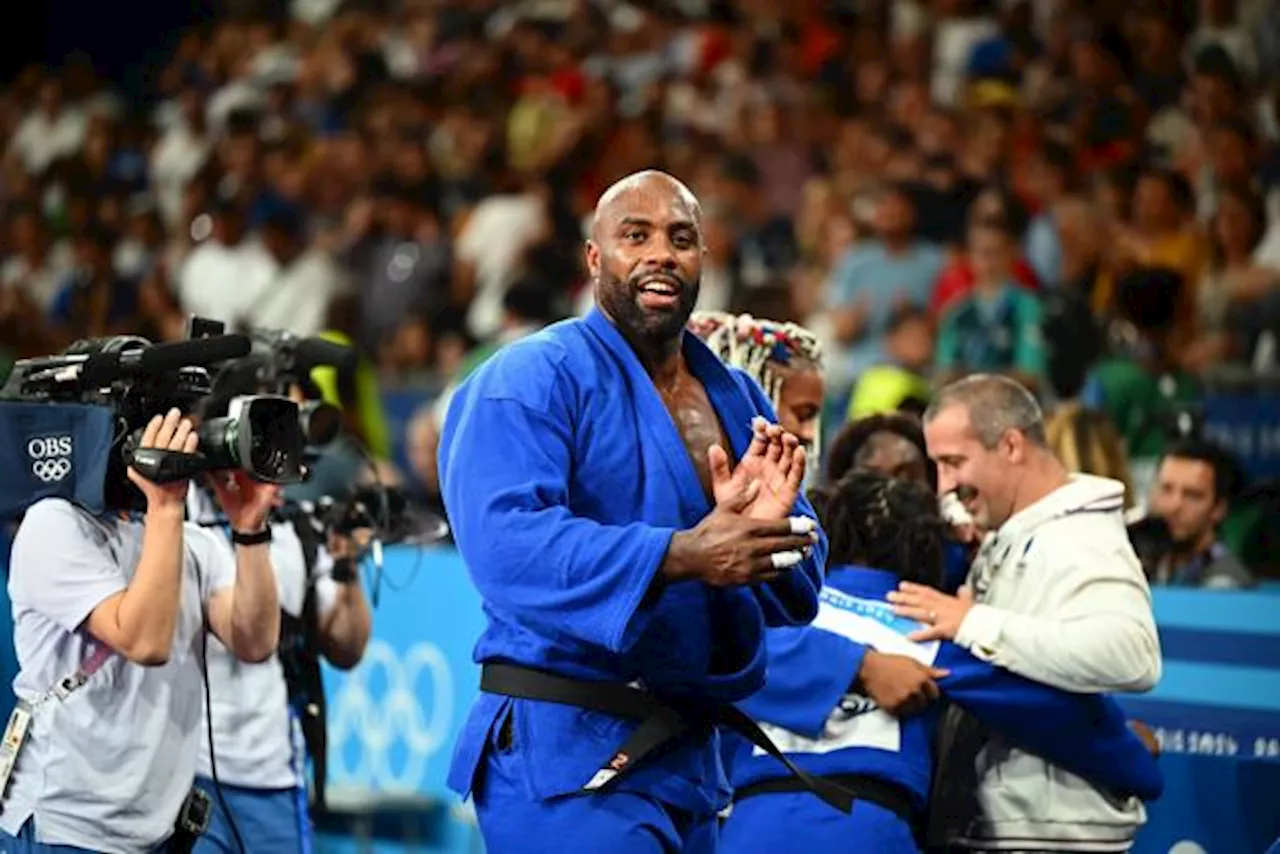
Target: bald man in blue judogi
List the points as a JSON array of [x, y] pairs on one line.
[[628, 570]]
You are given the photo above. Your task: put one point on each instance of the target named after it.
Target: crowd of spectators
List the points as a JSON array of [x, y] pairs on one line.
[[1085, 195]]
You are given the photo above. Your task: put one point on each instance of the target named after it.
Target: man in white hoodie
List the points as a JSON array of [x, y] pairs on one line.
[[1056, 594]]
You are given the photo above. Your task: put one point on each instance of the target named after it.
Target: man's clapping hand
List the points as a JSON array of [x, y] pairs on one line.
[[728, 548], [750, 535], [774, 461]]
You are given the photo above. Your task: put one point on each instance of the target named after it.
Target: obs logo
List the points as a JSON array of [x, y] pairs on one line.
[[379, 707], [50, 457]]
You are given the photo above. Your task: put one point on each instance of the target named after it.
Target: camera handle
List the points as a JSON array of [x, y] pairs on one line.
[[160, 466]]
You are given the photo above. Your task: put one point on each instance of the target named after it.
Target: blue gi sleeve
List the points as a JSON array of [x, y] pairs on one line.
[[809, 670], [955, 567], [1085, 734], [791, 600], [504, 475]]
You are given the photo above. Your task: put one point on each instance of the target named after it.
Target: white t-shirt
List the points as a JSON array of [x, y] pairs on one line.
[[42, 283], [40, 140], [252, 732], [108, 768], [225, 282], [298, 296], [175, 160], [493, 239]]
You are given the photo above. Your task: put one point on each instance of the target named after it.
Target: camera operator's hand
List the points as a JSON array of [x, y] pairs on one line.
[[170, 432], [349, 546], [727, 548], [246, 503]]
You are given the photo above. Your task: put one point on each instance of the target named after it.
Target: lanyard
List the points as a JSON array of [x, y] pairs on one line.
[[69, 685]]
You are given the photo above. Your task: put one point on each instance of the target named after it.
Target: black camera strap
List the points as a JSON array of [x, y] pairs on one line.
[[300, 658]]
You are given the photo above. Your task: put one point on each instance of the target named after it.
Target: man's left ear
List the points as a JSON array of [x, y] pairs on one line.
[[1014, 445], [1220, 510]]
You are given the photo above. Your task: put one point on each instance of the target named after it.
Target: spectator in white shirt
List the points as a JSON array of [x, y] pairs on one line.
[[1219, 26], [52, 131], [306, 279], [180, 153], [227, 275], [37, 265]]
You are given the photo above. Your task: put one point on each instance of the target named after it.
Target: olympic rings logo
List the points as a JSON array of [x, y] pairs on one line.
[[51, 470], [50, 457], [395, 717]]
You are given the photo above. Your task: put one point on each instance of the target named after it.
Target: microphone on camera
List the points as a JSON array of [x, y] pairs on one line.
[[317, 352], [102, 369]]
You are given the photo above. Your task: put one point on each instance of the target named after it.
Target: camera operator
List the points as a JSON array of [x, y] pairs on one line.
[[1195, 483], [108, 759], [256, 712]]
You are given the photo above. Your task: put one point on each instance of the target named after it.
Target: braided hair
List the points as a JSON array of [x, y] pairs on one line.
[[883, 523], [765, 349]]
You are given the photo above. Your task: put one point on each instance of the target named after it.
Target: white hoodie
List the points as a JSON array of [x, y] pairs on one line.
[[1062, 601]]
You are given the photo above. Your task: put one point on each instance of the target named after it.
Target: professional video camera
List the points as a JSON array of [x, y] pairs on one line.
[[1152, 541], [278, 362], [385, 510], [71, 423]]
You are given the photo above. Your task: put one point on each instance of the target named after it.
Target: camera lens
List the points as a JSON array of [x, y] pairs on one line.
[[264, 439], [320, 422], [272, 448], [265, 457]]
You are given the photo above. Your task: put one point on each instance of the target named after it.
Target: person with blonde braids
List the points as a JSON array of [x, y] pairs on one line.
[[784, 358]]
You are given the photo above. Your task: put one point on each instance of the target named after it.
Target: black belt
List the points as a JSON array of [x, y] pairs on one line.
[[892, 796], [661, 721]]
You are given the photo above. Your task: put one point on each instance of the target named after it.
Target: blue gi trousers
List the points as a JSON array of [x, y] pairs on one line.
[[798, 821], [512, 821]]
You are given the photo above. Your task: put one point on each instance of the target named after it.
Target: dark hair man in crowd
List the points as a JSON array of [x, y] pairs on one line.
[[1192, 494]]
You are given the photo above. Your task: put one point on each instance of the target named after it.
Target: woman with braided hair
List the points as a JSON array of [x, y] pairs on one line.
[[785, 359], [817, 708], [892, 444]]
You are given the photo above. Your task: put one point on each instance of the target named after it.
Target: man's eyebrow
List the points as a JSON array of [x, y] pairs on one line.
[[648, 223]]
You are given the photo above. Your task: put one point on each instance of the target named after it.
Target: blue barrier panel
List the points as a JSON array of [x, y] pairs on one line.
[[1248, 424], [393, 720], [1217, 714]]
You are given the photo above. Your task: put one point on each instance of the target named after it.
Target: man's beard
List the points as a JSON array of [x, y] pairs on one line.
[[621, 301], [1185, 546]]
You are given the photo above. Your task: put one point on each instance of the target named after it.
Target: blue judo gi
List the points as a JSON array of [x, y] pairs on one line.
[[564, 478], [808, 709]]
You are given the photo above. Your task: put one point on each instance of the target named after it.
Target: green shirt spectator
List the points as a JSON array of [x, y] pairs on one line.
[[993, 333], [997, 327], [1141, 402], [1143, 390]]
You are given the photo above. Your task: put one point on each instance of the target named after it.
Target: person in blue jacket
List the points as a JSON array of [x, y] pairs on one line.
[[628, 570], [814, 709]]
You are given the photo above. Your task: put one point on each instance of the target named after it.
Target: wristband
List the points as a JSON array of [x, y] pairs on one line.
[[255, 539], [344, 570]]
